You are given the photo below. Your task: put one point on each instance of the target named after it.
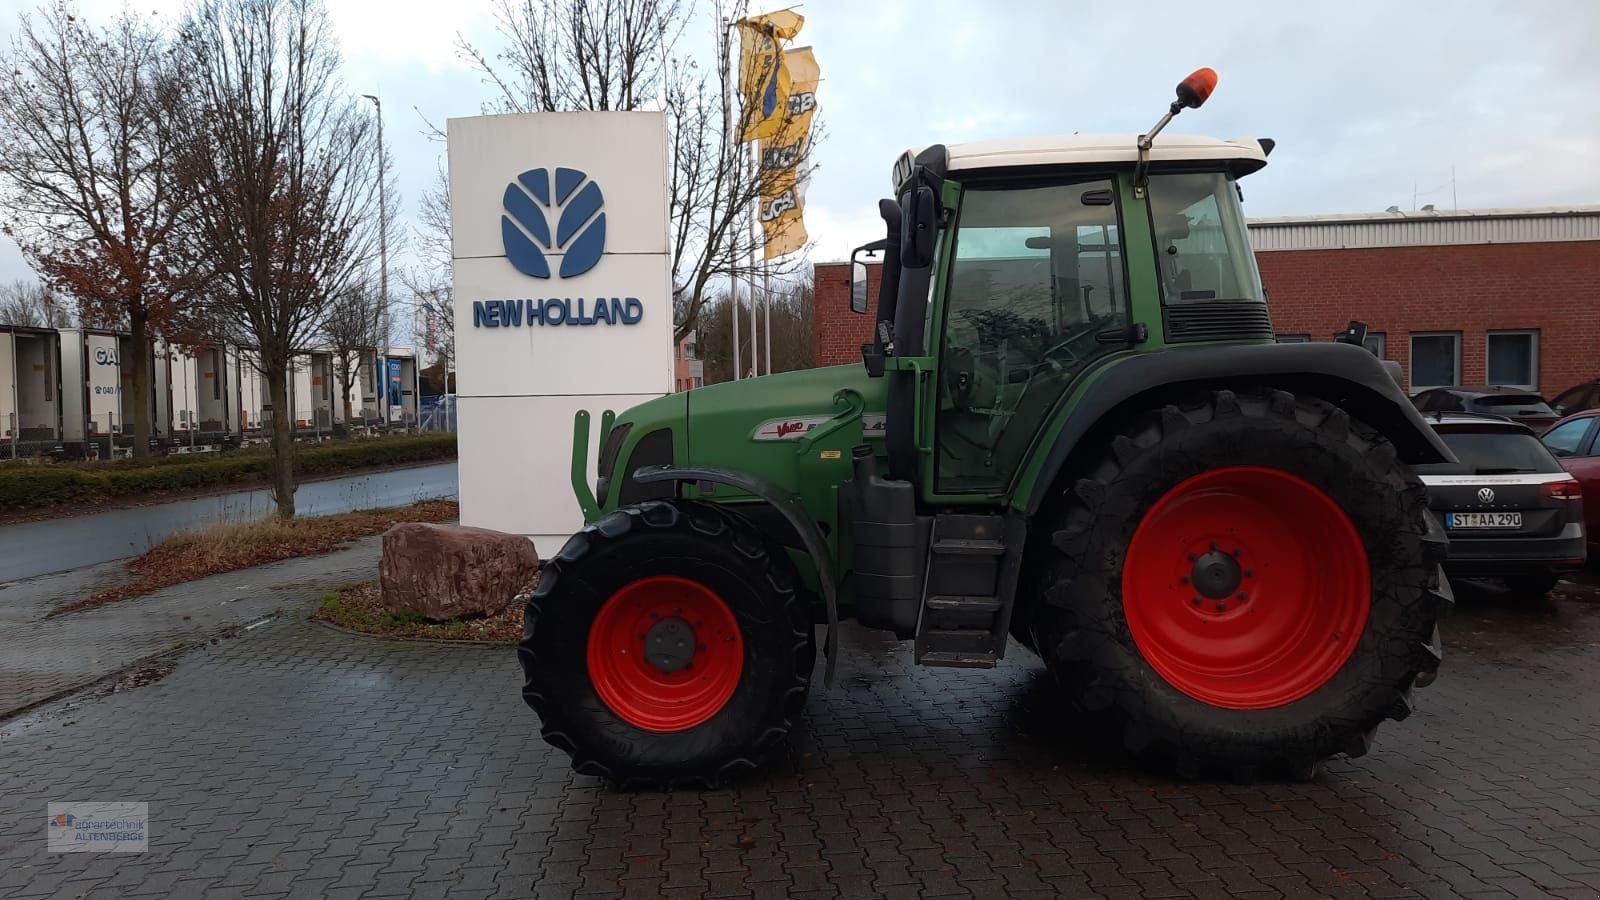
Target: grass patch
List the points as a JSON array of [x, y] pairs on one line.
[[360, 608], [189, 555], [52, 484]]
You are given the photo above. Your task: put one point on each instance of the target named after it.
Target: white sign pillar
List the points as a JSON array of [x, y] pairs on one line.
[[563, 300]]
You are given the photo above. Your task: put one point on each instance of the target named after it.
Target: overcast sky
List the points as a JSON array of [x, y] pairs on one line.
[[1369, 100]]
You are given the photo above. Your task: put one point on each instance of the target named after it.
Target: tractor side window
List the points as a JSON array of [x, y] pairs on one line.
[[1201, 245], [1036, 273]]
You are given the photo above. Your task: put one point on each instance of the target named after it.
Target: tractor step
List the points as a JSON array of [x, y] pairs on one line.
[[958, 660], [957, 640], [946, 612], [971, 578], [969, 547]]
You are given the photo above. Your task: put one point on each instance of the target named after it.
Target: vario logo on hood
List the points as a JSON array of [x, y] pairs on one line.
[[573, 202]]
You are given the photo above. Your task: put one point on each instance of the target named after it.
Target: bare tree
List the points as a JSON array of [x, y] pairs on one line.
[[352, 324], [32, 305], [86, 177], [280, 164], [625, 55], [430, 280], [793, 331]]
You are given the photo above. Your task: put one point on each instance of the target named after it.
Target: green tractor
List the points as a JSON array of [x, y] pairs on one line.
[[1073, 429]]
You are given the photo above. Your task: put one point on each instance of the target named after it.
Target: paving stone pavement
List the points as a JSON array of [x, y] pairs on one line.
[[295, 761], [43, 657]]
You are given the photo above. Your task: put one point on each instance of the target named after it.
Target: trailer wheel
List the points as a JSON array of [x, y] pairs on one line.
[[667, 644], [1244, 585]]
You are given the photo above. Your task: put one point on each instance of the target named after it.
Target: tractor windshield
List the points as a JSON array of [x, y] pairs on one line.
[[1201, 244]]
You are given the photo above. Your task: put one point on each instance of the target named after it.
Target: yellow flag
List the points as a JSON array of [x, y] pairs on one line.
[[763, 78], [783, 190]]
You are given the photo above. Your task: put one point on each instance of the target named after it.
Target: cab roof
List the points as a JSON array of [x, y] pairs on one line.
[[1241, 155]]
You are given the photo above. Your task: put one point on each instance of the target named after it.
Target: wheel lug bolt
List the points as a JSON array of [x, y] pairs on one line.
[[1197, 600], [1249, 573], [1222, 607], [1213, 545], [1183, 578], [1238, 550], [1192, 557], [1242, 596]]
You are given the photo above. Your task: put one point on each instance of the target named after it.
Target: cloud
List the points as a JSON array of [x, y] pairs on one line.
[[1369, 99]]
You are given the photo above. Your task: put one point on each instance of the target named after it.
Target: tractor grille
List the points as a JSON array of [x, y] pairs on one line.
[[1222, 320]]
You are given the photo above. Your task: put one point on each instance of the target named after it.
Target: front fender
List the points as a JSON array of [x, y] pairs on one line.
[[1342, 374]]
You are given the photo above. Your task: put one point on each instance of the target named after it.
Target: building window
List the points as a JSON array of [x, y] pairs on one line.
[[1378, 343], [1294, 338], [1513, 359], [1435, 359]]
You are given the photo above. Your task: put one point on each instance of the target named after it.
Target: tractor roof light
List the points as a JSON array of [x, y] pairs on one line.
[[1192, 92]]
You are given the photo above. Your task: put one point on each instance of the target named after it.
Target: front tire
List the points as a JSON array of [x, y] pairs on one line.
[[1244, 584], [667, 645]]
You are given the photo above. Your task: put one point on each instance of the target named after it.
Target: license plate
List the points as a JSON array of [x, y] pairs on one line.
[[1483, 520]]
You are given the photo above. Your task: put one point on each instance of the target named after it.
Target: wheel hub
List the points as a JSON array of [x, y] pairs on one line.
[[669, 644], [1216, 575], [665, 653]]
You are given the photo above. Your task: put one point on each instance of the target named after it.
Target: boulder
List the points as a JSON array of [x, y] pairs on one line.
[[444, 572]]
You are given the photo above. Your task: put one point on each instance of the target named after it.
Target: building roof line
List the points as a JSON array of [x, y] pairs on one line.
[[1530, 212]]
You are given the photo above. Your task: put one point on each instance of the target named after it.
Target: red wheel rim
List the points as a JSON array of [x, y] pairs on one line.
[[665, 653], [1246, 587]]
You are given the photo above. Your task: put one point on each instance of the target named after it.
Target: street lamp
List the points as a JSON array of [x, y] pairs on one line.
[[383, 253]]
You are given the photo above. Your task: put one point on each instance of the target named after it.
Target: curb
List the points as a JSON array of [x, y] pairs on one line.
[[402, 639]]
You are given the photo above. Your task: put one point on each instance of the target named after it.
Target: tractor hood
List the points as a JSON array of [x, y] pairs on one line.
[[736, 422], [753, 425]]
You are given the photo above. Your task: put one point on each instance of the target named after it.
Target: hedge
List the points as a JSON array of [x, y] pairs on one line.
[[32, 487]]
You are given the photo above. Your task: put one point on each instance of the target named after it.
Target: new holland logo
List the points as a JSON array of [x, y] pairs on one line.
[[580, 225]]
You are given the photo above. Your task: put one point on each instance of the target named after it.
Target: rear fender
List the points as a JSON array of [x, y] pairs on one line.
[[1347, 376]]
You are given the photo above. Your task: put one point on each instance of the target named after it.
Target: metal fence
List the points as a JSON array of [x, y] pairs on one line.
[[438, 413]]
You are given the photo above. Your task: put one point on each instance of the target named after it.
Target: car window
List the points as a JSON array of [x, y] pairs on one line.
[[1514, 404], [1500, 451], [1566, 439]]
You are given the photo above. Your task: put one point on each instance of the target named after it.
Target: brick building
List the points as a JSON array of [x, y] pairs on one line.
[[1465, 297], [688, 370]]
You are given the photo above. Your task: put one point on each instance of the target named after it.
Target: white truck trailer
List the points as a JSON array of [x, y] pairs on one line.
[[30, 391]]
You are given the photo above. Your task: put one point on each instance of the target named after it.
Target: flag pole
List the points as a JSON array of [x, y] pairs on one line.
[[755, 246], [725, 44], [766, 294]]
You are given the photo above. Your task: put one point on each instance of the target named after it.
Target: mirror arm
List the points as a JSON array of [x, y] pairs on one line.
[[1141, 172]]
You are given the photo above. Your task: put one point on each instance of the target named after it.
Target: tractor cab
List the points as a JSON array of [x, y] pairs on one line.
[[1048, 258]]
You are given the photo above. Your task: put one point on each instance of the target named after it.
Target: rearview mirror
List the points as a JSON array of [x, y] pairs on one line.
[[858, 273], [919, 223], [858, 287]]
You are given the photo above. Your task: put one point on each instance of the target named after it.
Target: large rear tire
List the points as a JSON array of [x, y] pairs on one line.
[[667, 645], [1243, 585]]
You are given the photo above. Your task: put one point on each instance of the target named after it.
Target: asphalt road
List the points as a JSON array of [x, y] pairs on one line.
[[57, 545]]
